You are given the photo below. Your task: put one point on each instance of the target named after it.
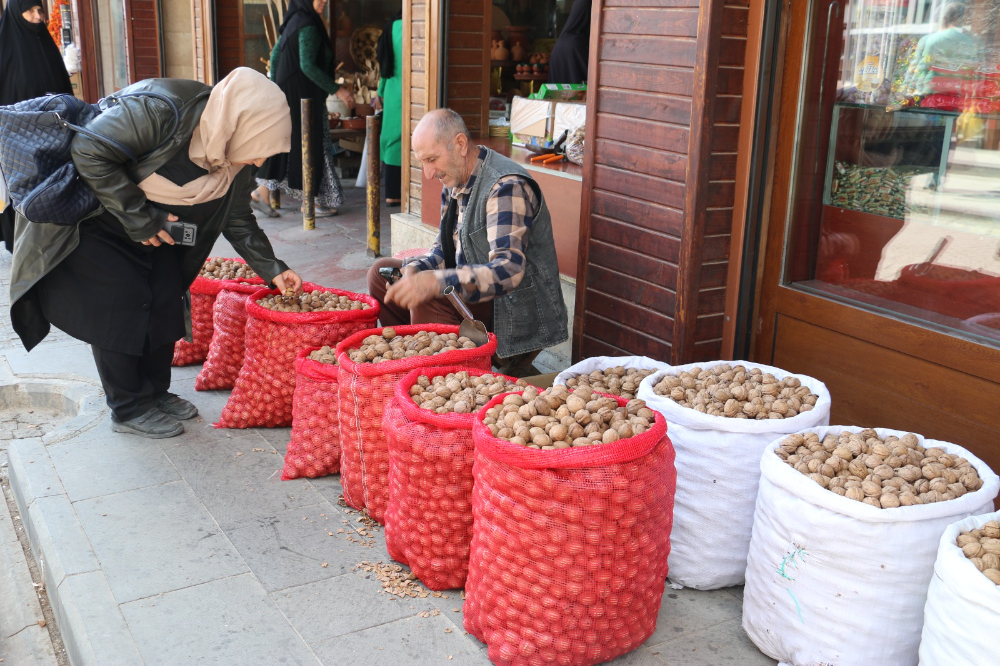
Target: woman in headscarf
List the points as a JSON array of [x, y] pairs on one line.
[[302, 66], [117, 280], [570, 57], [390, 100], [30, 66]]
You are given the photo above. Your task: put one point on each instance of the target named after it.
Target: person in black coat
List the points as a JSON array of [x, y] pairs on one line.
[[30, 66], [570, 57]]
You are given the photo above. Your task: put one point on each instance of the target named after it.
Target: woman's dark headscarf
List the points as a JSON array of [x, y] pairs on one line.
[[300, 14], [30, 63], [385, 52], [570, 57]]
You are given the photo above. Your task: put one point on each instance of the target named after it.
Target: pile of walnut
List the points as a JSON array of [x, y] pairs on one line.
[[558, 419], [886, 474], [735, 392], [226, 269], [459, 393], [392, 347], [982, 547], [311, 301], [616, 381], [324, 355]]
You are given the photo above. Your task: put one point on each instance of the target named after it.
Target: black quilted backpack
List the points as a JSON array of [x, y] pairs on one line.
[[35, 159]]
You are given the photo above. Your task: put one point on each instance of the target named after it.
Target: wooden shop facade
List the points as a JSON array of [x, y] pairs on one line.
[[809, 184]]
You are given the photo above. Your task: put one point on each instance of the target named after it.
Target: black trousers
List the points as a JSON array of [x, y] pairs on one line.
[[393, 181], [133, 383]]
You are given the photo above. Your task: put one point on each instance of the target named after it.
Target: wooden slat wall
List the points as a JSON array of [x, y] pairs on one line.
[[665, 90], [418, 94], [468, 67], [228, 35], [198, 39], [144, 40]]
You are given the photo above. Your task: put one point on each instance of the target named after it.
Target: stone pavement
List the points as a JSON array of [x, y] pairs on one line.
[[190, 550]]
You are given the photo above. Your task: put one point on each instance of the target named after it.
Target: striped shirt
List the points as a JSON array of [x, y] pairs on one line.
[[510, 209]]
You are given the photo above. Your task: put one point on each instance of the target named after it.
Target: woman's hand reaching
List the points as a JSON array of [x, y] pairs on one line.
[[288, 280], [162, 236]]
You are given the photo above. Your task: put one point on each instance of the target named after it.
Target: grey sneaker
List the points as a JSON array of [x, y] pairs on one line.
[[153, 424], [176, 406]]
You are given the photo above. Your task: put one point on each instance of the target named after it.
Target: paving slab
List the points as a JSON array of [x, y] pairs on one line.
[[83, 463], [691, 610], [228, 622], [32, 473], [155, 540], [22, 640], [330, 608], [93, 628], [60, 545], [724, 643]]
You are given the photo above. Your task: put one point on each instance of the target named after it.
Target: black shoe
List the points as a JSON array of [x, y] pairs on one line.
[[176, 406], [154, 424]]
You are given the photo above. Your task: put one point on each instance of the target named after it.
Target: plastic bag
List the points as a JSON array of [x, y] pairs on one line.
[[717, 475], [315, 447], [365, 388], [575, 145], [833, 581], [428, 521], [203, 292], [262, 396], [570, 547], [229, 321], [962, 613]]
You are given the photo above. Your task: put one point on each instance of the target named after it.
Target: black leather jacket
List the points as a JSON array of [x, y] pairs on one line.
[[141, 124]]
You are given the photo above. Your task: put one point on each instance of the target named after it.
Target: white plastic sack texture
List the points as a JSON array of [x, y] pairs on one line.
[[834, 581], [718, 467], [588, 365], [962, 613]]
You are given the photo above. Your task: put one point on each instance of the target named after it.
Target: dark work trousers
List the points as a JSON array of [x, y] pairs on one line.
[[393, 181], [133, 383]]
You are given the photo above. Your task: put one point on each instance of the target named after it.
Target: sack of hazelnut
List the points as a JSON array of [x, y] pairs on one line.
[[821, 561], [428, 427], [615, 375], [962, 613], [572, 506], [314, 449], [278, 328], [229, 323], [371, 364], [722, 414], [203, 291]]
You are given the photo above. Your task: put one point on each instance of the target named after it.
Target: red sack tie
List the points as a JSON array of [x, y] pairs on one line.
[[315, 447], [229, 320], [262, 396], [365, 388], [428, 520], [203, 292], [569, 551]]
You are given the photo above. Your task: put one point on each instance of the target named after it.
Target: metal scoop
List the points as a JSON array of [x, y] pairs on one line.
[[470, 327]]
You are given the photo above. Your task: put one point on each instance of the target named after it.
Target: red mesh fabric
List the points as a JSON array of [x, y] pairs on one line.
[[229, 320], [569, 552], [262, 396], [428, 521], [315, 447], [203, 292], [365, 388]]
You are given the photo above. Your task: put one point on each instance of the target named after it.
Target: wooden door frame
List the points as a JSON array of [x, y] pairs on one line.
[[130, 39], [207, 41], [773, 298], [90, 52], [433, 15]]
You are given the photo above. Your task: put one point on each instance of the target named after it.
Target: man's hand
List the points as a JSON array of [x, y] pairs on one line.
[[288, 280], [414, 290], [162, 235], [345, 95]]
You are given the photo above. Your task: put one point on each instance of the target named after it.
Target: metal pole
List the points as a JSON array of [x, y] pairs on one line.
[[373, 125], [308, 207]]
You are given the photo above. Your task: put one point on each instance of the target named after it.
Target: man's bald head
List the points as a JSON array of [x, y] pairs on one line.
[[441, 126]]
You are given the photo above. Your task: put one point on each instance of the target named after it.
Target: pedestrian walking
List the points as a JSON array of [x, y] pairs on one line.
[[117, 279]]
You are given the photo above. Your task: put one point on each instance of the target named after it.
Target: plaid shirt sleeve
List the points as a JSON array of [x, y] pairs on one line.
[[510, 209]]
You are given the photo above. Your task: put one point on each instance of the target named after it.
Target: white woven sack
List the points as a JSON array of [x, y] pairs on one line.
[[718, 467], [962, 613], [834, 581], [588, 365]]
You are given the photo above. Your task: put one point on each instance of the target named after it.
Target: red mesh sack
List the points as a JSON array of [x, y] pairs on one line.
[[569, 551], [315, 447], [365, 388], [262, 396], [229, 320], [428, 521], [203, 292]]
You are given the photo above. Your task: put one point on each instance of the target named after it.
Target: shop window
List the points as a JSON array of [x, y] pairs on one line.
[[360, 23], [896, 201], [114, 46]]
